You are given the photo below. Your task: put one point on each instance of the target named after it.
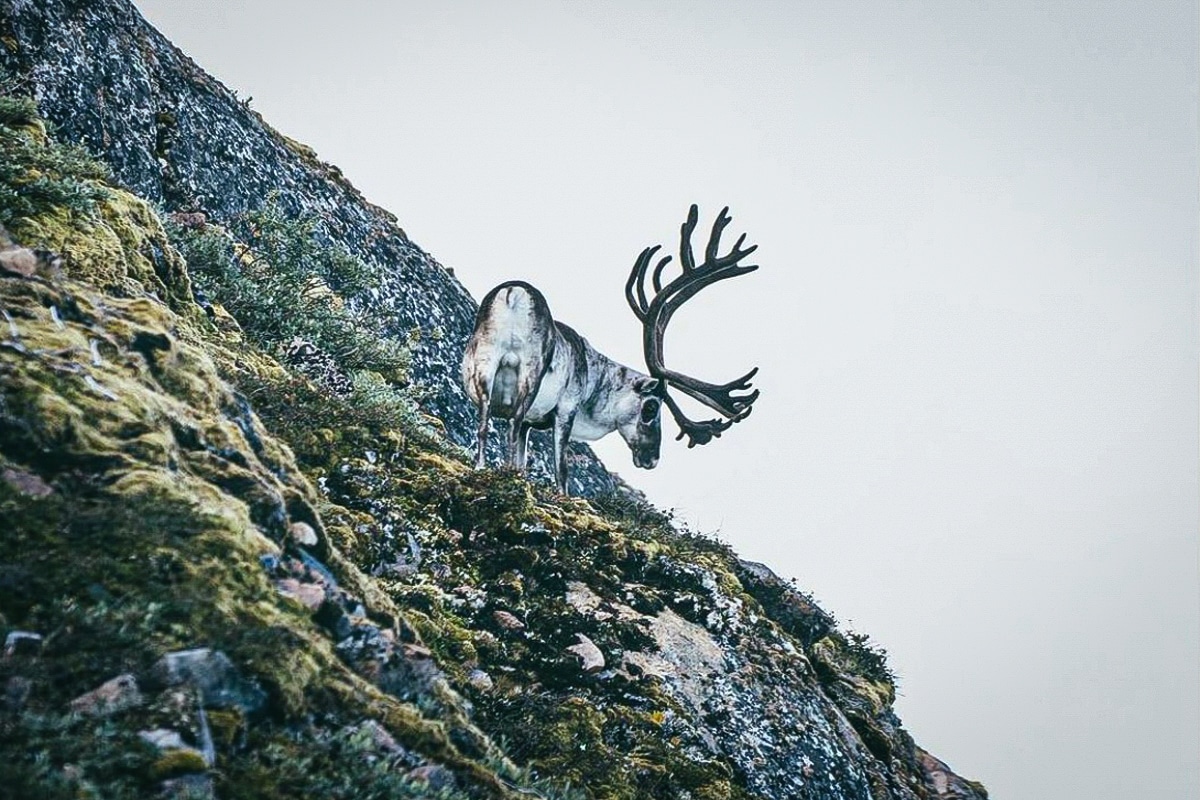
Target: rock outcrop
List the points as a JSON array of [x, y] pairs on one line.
[[225, 575]]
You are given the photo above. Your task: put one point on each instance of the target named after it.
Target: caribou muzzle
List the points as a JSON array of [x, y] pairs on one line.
[[645, 462]]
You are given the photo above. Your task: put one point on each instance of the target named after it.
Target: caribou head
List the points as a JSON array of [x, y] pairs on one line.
[[523, 366], [639, 420]]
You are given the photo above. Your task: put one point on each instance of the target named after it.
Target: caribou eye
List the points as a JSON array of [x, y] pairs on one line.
[[650, 411]]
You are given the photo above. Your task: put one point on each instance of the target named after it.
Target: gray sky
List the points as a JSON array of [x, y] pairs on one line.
[[976, 316]]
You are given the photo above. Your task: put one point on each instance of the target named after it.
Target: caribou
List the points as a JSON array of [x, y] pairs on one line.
[[524, 366]]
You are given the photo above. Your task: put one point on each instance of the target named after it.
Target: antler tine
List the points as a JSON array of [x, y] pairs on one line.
[[697, 432], [719, 397], [686, 259], [656, 278], [637, 280], [714, 239]]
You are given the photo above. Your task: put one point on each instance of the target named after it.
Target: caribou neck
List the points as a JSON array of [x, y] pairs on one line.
[[602, 384]]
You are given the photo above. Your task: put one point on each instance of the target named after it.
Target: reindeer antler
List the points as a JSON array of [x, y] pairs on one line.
[[656, 312]]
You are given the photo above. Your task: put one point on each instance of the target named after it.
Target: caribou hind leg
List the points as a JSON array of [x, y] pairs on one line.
[[518, 430]]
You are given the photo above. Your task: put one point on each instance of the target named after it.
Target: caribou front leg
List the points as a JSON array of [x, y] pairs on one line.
[[522, 446], [481, 435], [562, 435]]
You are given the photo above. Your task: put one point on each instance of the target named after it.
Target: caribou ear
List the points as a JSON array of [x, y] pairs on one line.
[[646, 386], [650, 410]]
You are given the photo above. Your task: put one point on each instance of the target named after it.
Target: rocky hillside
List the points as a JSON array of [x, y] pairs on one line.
[[178, 138], [244, 557]]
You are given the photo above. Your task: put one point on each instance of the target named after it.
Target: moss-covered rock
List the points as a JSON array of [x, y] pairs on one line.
[[164, 495]]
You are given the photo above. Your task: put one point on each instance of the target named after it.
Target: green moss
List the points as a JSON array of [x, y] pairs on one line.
[[227, 727], [166, 492], [174, 763], [39, 176]]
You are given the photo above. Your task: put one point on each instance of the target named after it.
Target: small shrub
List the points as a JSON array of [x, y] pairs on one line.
[[381, 404], [17, 111], [284, 284], [38, 174], [867, 658]]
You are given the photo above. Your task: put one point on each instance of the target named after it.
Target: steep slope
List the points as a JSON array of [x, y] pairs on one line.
[[211, 588], [178, 138]]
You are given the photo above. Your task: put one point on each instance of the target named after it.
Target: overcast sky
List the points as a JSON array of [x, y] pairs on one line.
[[976, 316]]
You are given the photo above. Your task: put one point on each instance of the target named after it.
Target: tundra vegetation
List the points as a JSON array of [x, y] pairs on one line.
[[236, 568]]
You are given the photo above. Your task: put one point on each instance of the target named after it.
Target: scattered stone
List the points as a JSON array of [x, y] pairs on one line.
[[163, 739], [480, 680], [945, 783], [435, 776], [191, 220], [507, 621], [16, 692], [590, 657], [111, 697], [22, 643], [413, 676], [581, 598], [416, 651], [214, 675], [303, 534], [309, 595], [316, 569], [381, 739], [26, 263], [26, 482], [365, 647]]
